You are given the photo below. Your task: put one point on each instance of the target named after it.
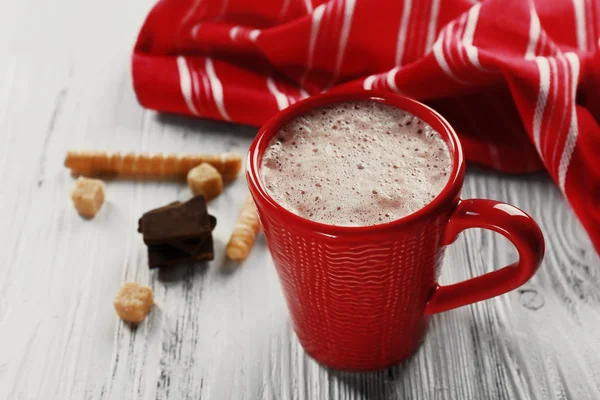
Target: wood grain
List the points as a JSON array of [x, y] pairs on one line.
[[221, 331]]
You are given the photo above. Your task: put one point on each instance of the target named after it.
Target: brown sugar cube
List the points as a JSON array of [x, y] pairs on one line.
[[133, 302], [88, 196], [205, 180]]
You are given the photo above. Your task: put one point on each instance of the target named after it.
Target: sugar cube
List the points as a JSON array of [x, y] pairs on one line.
[[205, 180], [88, 196], [133, 302]]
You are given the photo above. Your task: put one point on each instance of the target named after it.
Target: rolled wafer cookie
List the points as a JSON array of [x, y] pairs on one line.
[[244, 232], [89, 162]]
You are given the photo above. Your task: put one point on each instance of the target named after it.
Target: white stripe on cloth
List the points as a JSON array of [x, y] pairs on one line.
[[534, 32], [317, 16], [284, 9], [467, 41], [194, 31], [217, 89], [206, 86], [254, 34], [571, 141], [540, 107], [431, 26], [579, 8], [541, 46], [458, 26], [280, 98], [309, 6], [400, 44], [438, 52], [554, 102], [185, 83], [233, 32], [391, 79], [559, 73], [191, 12], [560, 66], [196, 87], [368, 83], [345, 32]]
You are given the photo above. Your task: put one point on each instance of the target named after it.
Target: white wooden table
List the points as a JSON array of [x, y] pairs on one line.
[[221, 332]]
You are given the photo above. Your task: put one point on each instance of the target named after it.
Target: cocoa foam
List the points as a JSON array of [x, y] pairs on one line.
[[355, 164]]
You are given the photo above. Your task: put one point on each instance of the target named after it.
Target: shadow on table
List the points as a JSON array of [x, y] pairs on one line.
[[480, 170], [206, 126], [182, 273], [378, 385]]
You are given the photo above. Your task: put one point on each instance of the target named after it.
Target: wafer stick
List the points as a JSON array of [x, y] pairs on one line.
[[146, 164], [244, 232]]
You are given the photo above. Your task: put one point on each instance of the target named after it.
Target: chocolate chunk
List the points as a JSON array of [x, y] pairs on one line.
[[189, 246], [156, 210], [162, 255], [192, 246], [178, 233], [176, 222], [212, 220]]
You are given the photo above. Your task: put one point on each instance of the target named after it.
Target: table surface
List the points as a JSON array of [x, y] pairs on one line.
[[221, 331]]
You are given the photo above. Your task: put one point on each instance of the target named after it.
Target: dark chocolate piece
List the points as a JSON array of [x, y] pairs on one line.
[[178, 233], [162, 255], [185, 243], [189, 246], [156, 210], [176, 222]]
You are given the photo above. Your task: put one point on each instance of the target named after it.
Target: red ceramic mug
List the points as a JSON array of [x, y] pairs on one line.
[[360, 297]]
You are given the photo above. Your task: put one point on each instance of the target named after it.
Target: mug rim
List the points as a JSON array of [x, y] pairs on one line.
[[446, 197]]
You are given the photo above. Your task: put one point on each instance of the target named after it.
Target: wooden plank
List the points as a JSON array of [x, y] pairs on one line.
[[221, 331]]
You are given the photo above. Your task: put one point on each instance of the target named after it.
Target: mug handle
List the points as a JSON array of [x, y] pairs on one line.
[[507, 220]]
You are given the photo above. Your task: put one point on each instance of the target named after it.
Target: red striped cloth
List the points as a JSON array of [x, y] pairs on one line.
[[518, 79]]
